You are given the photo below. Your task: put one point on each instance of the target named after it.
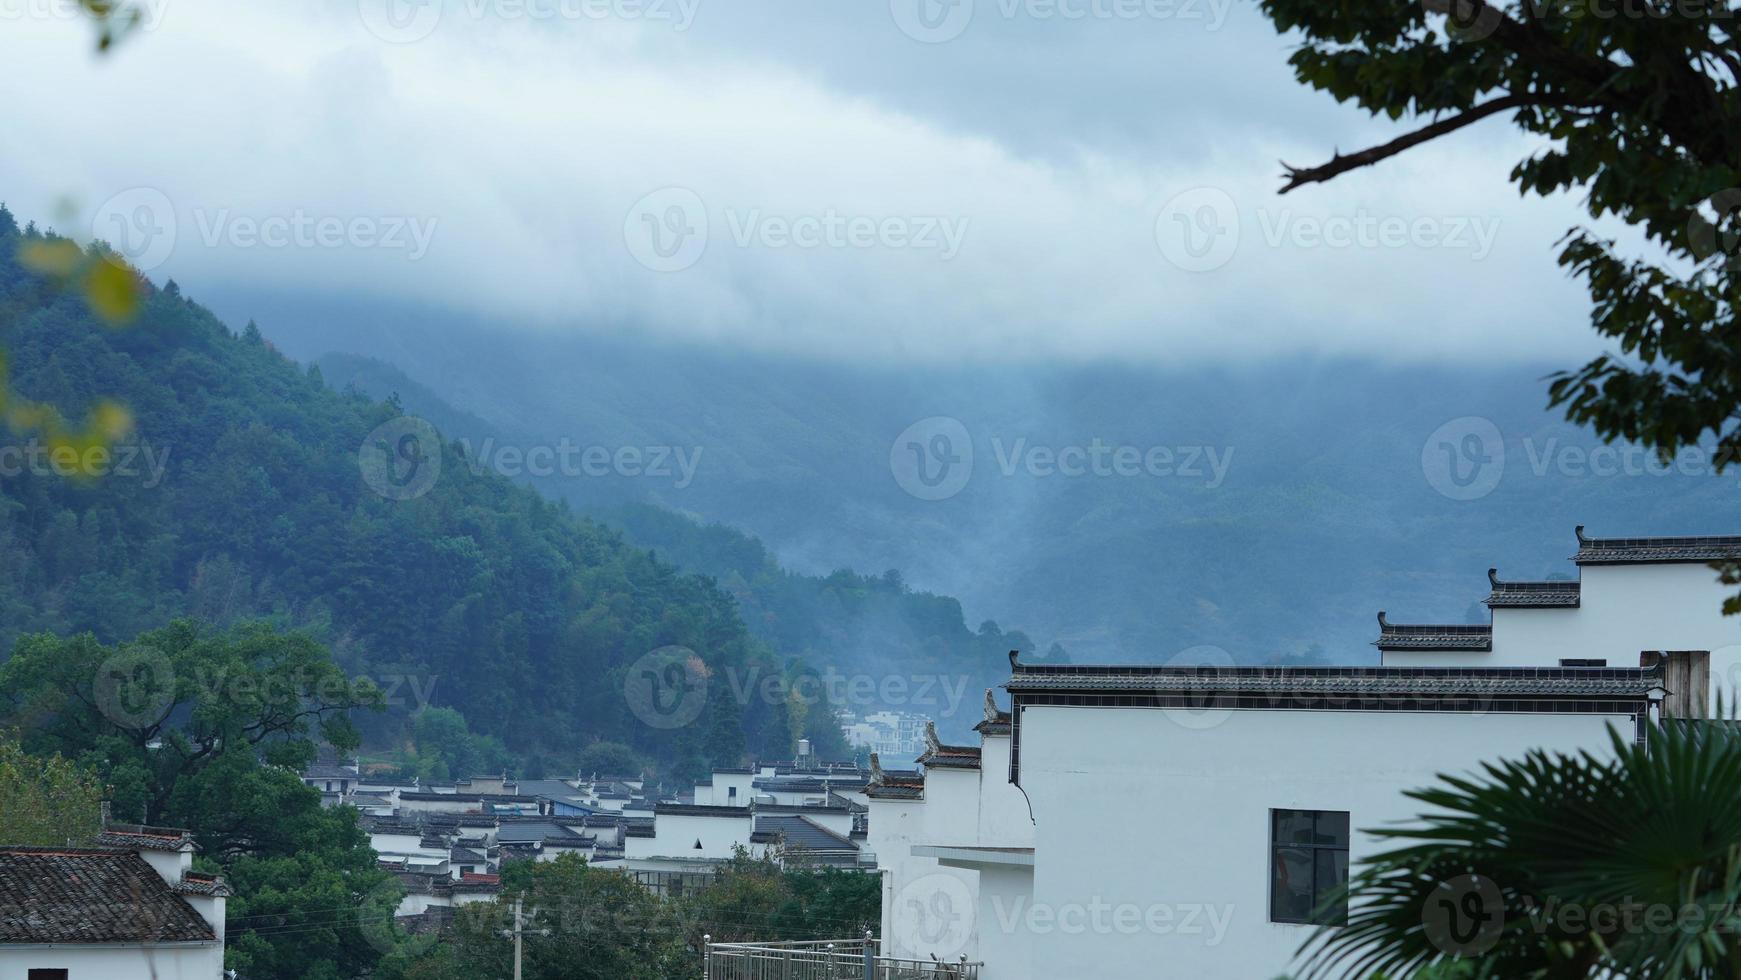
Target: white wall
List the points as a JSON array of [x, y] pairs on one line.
[[1135, 810], [203, 961], [1625, 610], [677, 834]]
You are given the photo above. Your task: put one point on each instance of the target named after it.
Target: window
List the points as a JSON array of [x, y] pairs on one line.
[[731, 793], [1581, 662], [1308, 863], [40, 974]]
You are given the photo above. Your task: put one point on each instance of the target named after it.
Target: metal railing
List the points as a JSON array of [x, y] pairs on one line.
[[843, 959]]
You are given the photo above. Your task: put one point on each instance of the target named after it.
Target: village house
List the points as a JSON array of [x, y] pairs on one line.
[[1121, 816], [129, 907]]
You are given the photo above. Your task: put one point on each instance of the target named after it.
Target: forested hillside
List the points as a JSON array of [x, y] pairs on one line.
[[242, 498], [856, 624]]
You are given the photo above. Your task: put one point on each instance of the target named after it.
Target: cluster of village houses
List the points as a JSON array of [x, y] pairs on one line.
[[1112, 821]]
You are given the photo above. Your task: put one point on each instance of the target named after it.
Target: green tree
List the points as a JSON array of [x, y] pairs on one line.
[[45, 801], [206, 730], [1560, 866], [1639, 107], [584, 924]]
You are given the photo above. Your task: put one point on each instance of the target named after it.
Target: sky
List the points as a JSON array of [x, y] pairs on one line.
[[890, 180]]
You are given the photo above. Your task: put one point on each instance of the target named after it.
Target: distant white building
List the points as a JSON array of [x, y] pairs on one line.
[[1127, 821]]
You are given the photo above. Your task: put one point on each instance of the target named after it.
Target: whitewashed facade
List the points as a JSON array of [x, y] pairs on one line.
[[1132, 821]]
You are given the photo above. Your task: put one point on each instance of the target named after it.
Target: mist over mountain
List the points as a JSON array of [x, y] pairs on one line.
[[1234, 507]]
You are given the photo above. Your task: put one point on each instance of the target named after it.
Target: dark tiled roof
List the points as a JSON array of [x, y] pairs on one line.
[[88, 895], [997, 722], [893, 784], [1532, 595], [940, 756], [197, 884], [1394, 636], [800, 834], [133, 837], [701, 810], [1643, 551], [327, 771], [1285, 683]]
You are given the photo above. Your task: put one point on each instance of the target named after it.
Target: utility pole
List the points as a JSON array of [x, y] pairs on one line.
[[519, 931]]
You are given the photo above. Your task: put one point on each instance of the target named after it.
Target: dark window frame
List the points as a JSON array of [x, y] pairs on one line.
[[1329, 824], [46, 973]]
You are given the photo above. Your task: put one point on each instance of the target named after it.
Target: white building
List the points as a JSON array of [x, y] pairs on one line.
[[1140, 821], [131, 908]]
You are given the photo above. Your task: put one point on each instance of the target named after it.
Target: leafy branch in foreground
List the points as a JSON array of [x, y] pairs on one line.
[[1640, 106]]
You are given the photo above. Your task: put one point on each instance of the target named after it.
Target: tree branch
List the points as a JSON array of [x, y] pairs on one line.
[[1339, 164]]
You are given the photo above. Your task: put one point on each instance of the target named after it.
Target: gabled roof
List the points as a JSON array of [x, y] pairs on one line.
[[996, 722], [1552, 594], [940, 756], [895, 784], [93, 895], [134, 837], [1394, 636], [799, 834], [1338, 686], [1654, 551]]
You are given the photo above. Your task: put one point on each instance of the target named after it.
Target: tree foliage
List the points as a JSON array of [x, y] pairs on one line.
[[45, 801], [241, 497], [1639, 106], [1560, 866]]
